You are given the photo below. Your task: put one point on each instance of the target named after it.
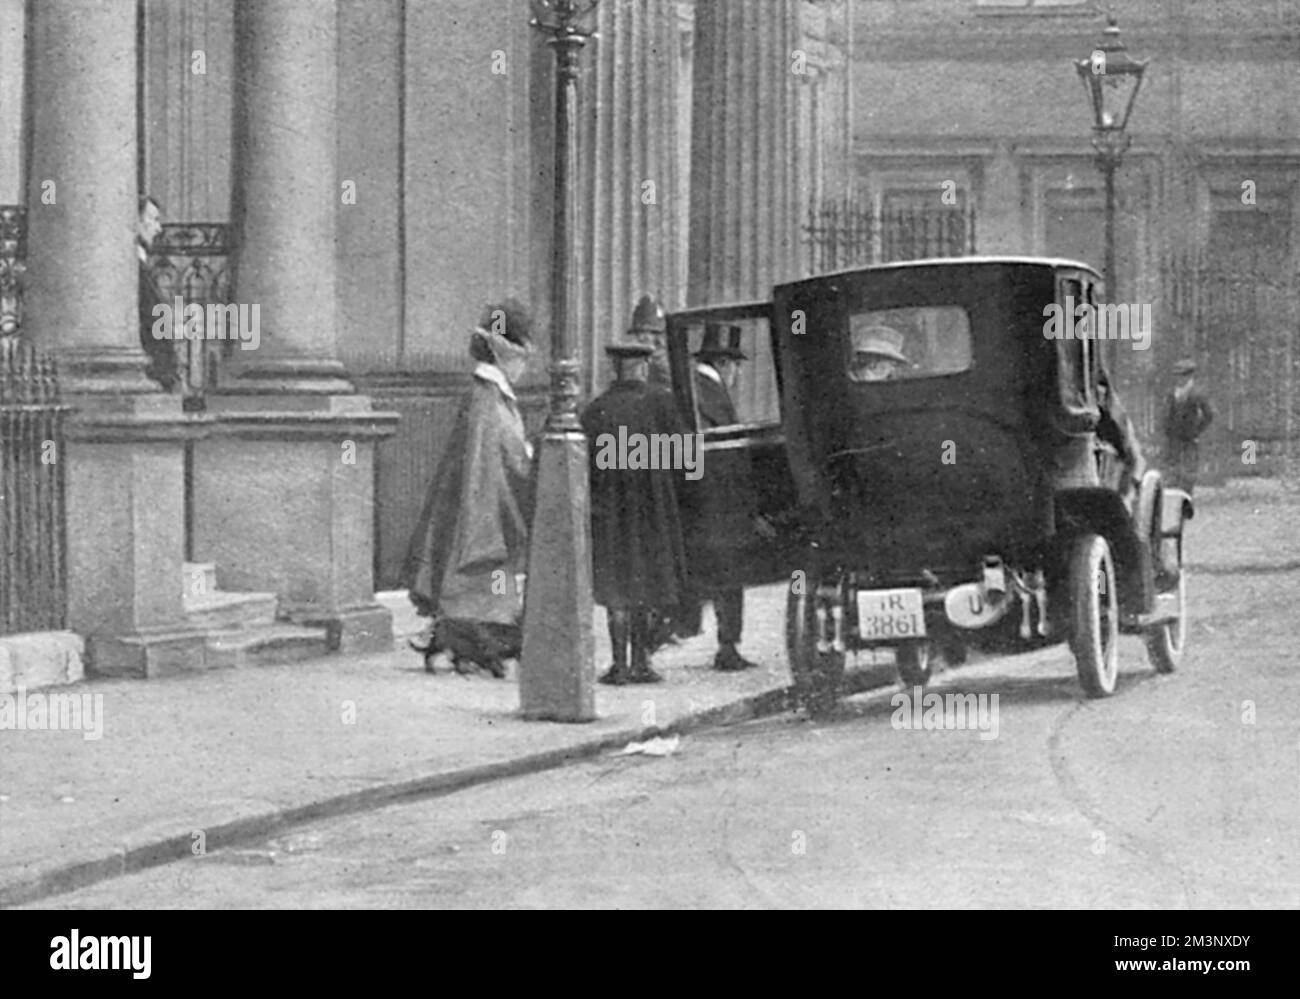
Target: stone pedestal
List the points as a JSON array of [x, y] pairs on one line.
[[283, 485], [284, 503], [126, 515]]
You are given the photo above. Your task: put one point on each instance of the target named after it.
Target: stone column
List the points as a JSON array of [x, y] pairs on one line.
[[124, 442], [284, 486], [629, 182], [12, 23], [286, 194], [748, 193]]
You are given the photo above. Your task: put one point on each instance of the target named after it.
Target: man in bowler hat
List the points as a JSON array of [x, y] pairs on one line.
[[638, 554], [1187, 415]]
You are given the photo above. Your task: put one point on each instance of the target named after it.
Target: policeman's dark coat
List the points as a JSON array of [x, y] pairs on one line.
[[472, 536], [638, 554]]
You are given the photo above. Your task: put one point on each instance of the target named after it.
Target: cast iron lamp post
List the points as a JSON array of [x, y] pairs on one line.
[[557, 670], [1112, 80]]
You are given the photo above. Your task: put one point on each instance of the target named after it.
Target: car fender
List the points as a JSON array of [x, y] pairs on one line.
[[1102, 511]]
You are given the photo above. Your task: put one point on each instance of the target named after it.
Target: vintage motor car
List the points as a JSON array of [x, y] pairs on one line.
[[961, 496]]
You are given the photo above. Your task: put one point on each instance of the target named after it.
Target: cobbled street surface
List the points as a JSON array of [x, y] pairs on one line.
[[1179, 791]]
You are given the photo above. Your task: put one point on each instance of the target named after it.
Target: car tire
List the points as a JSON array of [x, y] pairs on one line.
[[915, 662], [1165, 642], [1094, 608], [818, 676]]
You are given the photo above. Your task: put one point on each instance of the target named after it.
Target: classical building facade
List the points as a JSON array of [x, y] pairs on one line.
[[369, 173]]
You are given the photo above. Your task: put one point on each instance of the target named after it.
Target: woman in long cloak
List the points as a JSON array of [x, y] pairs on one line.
[[472, 538]]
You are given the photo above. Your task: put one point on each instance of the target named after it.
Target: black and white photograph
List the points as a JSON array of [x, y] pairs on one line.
[[651, 454]]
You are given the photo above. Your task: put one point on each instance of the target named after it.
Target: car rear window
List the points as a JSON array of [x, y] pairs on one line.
[[916, 342]]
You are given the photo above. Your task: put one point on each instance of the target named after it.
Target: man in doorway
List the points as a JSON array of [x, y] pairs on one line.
[[161, 352]]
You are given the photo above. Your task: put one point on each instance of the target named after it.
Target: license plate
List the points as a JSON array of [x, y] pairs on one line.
[[884, 615]]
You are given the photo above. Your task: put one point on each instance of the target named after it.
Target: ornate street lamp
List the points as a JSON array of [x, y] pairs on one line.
[[1112, 79], [557, 670]]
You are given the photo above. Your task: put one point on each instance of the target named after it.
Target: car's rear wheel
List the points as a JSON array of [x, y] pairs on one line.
[[915, 662], [816, 667], [1094, 636]]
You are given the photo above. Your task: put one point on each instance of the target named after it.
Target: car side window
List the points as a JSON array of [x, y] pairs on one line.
[[904, 343], [1075, 354]]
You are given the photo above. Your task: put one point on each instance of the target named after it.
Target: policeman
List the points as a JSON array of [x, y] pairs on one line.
[[638, 554], [651, 328]]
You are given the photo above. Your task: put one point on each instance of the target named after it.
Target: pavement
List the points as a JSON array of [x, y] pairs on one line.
[[195, 763]]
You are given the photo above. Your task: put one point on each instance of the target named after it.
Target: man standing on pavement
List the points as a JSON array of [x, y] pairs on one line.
[[638, 555], [1187, 415], [728, 504], [650, 327]]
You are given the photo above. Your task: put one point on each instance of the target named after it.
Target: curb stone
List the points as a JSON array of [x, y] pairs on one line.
[[121, 860]]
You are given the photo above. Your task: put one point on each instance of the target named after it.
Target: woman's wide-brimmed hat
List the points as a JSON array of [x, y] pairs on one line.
[[880, 340], [511, 320]]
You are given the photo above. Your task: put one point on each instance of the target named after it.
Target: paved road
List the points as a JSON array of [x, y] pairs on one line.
[[1179, 791]]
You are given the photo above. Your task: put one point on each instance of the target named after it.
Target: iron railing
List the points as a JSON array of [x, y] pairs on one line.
[[843, 234], [190, 261], [33, 569]]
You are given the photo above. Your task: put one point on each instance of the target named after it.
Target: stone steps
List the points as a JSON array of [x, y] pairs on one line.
[[265, 645], [221, 611], [242, 627]]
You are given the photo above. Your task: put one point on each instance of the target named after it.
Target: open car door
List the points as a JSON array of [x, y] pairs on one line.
[[738, 515]]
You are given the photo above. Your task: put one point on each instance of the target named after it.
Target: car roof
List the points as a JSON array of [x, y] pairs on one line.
[[753, 309], [989, 261]]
